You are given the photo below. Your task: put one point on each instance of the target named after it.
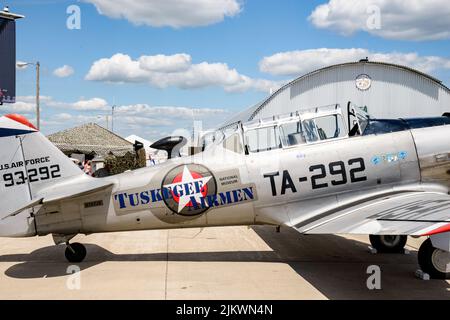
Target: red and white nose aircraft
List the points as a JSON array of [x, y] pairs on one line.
[[310, 170]]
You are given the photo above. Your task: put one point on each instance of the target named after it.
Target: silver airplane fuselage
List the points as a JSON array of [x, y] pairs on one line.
[[301, 171], [277, 187]]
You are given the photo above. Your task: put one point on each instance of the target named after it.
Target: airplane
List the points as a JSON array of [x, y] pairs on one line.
[[317, 171]]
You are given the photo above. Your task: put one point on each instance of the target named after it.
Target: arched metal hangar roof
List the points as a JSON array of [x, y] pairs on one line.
[[390, 91]]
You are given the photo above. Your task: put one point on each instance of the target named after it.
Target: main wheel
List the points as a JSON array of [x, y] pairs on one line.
[[434, 261], [388, 244], [75, 252]]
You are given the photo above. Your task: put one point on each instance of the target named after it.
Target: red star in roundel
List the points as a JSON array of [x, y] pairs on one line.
[[188, 177]]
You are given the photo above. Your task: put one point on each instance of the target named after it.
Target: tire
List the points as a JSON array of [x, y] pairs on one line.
[[388, 244], [77, 255], [433, 261]]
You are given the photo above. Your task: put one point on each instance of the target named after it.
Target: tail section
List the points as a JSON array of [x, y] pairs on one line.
[[28, 163]]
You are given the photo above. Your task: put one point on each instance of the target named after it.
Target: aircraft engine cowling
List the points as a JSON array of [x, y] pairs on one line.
[[433, 150]]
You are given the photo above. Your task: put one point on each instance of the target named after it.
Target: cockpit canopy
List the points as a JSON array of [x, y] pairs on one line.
[[308, 127], [305, 127], [293, 129]]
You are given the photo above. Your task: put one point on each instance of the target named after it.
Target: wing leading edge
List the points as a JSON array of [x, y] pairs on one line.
[[409, 213]]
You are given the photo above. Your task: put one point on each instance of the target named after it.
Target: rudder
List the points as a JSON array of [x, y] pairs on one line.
[[28, 163]]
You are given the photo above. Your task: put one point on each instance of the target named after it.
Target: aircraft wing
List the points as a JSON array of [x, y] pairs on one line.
[[409, 213]]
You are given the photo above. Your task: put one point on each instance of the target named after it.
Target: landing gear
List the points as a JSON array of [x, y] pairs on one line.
[[435, 262], [75, 252], [388, 244]]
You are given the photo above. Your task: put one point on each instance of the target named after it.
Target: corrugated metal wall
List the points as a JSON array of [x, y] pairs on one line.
[[395, 92]]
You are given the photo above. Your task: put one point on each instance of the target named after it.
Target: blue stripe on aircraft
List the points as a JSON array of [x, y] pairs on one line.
[[7, 132]]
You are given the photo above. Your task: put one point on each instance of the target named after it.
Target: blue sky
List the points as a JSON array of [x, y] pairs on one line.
[[226, 51]]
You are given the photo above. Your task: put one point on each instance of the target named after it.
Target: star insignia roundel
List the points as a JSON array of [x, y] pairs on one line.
[[188, 190]]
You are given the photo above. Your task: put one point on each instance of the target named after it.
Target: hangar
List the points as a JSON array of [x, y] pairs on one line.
[[386, 90]]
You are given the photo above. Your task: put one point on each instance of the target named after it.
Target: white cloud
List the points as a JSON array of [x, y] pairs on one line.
[[119, 68], [25, 104], [144, 110], [296, 63], [32, 99], [172, 13], [19, 107], [62, 117], [162, 63], [94, 104], [28, 103], [398, 19], [141, 119], [177, 70], [67, 120], [64, 71], [146, 122]]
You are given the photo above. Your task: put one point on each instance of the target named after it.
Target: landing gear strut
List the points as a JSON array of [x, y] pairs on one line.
[[434, 261], [75, 252], [388, 244]]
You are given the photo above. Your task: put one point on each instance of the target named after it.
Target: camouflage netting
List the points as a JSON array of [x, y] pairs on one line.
[[121, 164], [141, 158]]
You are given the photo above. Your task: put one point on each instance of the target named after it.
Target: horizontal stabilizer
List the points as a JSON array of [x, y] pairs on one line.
[[30, 205], [65, 190], [72, 188]]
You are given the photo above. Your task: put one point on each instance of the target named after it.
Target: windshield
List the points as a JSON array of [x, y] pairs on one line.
[[310, 130], [363, 117], [263, 139], [211, 139], [358, 119], [215, 138]]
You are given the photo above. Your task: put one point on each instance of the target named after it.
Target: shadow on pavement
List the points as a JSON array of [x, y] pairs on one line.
[[335, 266]]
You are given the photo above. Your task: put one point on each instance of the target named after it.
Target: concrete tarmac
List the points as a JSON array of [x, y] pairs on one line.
[[213, 263]]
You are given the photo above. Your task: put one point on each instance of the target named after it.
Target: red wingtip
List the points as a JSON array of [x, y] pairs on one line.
[[22, 120], [442, 229]]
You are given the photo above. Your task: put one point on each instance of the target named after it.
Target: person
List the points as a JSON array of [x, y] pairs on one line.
[[88, 167], [103, 172], [150, 161]]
